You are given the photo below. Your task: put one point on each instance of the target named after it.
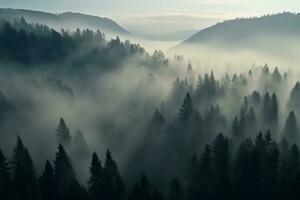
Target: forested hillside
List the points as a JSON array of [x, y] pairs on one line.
[[175, 130]]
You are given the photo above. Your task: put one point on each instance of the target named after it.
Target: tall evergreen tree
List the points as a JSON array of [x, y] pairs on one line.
[[221, 167], [274, 112], [79, 146], [47, 183], [96, 181], [66, 183], [5, 178], [24, 175], [176, 190], [243, 171], [63, 133], [114, 186], [291, 128], [186, 109]]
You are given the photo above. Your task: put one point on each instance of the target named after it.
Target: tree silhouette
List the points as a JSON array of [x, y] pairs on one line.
[[114, 186], [291, 129], [23, 172], [63, 133], [47, 183], [5, 178], [96, 179], [186, 108], [67, 186], [176, 190]]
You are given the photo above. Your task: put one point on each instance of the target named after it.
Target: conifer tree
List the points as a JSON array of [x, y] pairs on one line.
[[186, 109], [5, 178], [23, 172], [176, 190], [63, 133], [243, 171], [47, 183], [66, 183], [114, 186], [221, 167], [95, 182], [291, 129]]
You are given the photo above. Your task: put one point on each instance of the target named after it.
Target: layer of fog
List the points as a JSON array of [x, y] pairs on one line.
[[112, 109]]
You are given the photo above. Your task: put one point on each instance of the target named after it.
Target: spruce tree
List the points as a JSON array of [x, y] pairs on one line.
[[176, 190], [63, 133], [186, 108], [291, 129], [95, 183], [65, 180], [5, 178], [23, 173], [243, 171], [47, 183], [145, 189], [221, 167], [114, 186]]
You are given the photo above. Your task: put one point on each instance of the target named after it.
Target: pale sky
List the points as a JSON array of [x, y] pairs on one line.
[[150, 16]]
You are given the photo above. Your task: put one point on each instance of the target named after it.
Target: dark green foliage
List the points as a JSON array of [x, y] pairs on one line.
[[243, 171], [186, 109], [291, 129], [5, 178], [63, 133], [47, 183], [142, 190], [67, 186], [176, 190], [114, 187], [23, 173], [158, 118], [221, 167], [96, 180], [79, 146], [294, 99]]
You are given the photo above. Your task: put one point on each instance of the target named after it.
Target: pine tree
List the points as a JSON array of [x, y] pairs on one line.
[[276, 76], [294, 99], [274, 112], [158, 118], [251, 123], [243, 171], [156, 195], [291, 129], [5, 178], [266, 114], [135, 192], [65, 180], [24, 175], [63, 133], [186, 108], [47, 183], [114, 186], [293, 173], [220, 167], [79, 146], [145, 189], [235, 128], [176, 190], [95, 182]]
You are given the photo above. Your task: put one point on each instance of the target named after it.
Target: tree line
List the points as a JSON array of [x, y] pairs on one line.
[[259, 169]]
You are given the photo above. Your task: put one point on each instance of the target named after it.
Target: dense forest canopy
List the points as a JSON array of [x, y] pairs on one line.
[[86, 118]]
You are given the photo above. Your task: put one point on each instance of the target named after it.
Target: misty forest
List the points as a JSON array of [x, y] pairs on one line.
[[86, 116]]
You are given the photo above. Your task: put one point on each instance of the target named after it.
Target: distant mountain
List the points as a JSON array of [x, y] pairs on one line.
[[171, 36], [66, 20], [246, 32]]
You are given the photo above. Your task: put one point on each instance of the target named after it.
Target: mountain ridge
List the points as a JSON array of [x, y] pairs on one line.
[[66, 20]]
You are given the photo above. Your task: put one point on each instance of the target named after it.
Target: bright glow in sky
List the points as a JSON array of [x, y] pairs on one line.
[[149, 16]]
